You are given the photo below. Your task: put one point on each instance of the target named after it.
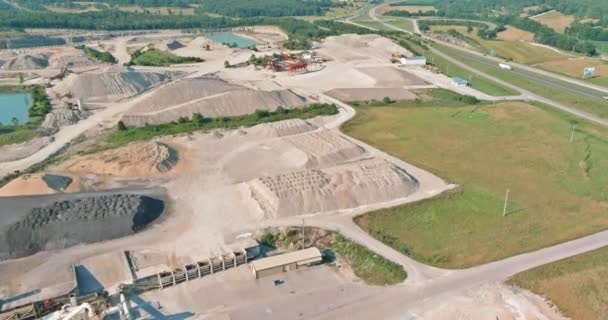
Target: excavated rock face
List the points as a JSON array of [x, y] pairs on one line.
[[70, 222]]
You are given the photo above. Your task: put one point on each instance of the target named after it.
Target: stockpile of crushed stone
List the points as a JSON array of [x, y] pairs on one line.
[[27, 62], [60, 118], [340, 187], [209, 97], [109, 85], [133, 160], [70, 222]]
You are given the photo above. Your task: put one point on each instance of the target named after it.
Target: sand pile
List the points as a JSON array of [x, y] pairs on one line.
[[365, 94], [26, 185], [133, 160], [109, 85], [62, 117], [22, 150], [66, 223], [353, 47], [210, 97], [37, 184], [326, 148], [27, 62], [341, 187], [283, 128], [392, 77]]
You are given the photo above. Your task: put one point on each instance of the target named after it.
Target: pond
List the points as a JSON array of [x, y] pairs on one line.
[[230, 38], [14, 105]]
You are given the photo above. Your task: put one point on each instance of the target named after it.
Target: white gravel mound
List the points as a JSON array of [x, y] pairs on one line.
[[209, 97], [27, 62], [326, 148], [341, 187], [110, 85], [60, 118]]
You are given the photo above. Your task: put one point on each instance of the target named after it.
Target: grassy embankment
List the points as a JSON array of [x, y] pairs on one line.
[[558, 189], [158, 58], [578, 285], [476, 82], [366, 265], [122, 135], [595, 106], [98, 55], [512, 44], [10, 134]]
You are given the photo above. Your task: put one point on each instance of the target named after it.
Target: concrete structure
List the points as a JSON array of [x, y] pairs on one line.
[[460, 82], [413, 61], [285, 262]]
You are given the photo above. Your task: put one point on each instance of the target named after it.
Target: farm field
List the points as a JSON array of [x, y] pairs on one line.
[[554, 20], [574, 68], [577, 285], [557, 188], [512, 44]]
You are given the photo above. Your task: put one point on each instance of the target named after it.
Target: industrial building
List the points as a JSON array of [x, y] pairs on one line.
[[413, 61], [285, 262]]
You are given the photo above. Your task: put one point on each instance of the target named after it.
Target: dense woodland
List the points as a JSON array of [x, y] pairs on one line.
[[268, 8]]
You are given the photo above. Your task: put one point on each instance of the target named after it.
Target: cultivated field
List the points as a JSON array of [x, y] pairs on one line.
[[513, 44], [577, 285], [554, 20], [558, 188]]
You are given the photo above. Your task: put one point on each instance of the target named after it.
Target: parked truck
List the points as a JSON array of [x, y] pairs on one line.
[[505, 66]]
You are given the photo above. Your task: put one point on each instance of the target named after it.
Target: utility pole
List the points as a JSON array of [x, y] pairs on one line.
[[572, 134], [303, 246], [504, 208]]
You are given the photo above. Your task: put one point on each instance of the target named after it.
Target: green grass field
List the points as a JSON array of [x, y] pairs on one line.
[[559, 189], [405, 24], [595, 106], [578, 285]]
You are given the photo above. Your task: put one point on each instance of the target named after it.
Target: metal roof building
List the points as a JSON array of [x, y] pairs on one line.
[[285, 262], [413, 61]]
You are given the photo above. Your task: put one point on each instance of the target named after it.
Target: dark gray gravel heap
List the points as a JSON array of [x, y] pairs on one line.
[[70, 222]]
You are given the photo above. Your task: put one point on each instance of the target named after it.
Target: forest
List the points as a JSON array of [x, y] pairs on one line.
[[267, 8]]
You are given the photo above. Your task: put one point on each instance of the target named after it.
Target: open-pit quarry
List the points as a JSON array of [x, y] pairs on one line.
[[174, 201]]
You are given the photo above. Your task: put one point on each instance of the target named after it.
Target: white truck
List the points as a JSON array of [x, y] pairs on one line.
[[505, 66]]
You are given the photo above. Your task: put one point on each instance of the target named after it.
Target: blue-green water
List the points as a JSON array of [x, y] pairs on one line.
[[14, 105], [230, 38]]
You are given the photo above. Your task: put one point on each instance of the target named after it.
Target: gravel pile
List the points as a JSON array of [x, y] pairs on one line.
[[70, 222], [27, 62], [60, 118], [109, 85], [57, 182]]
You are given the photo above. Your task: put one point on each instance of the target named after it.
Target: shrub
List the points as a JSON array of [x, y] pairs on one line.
[[121, 126]]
